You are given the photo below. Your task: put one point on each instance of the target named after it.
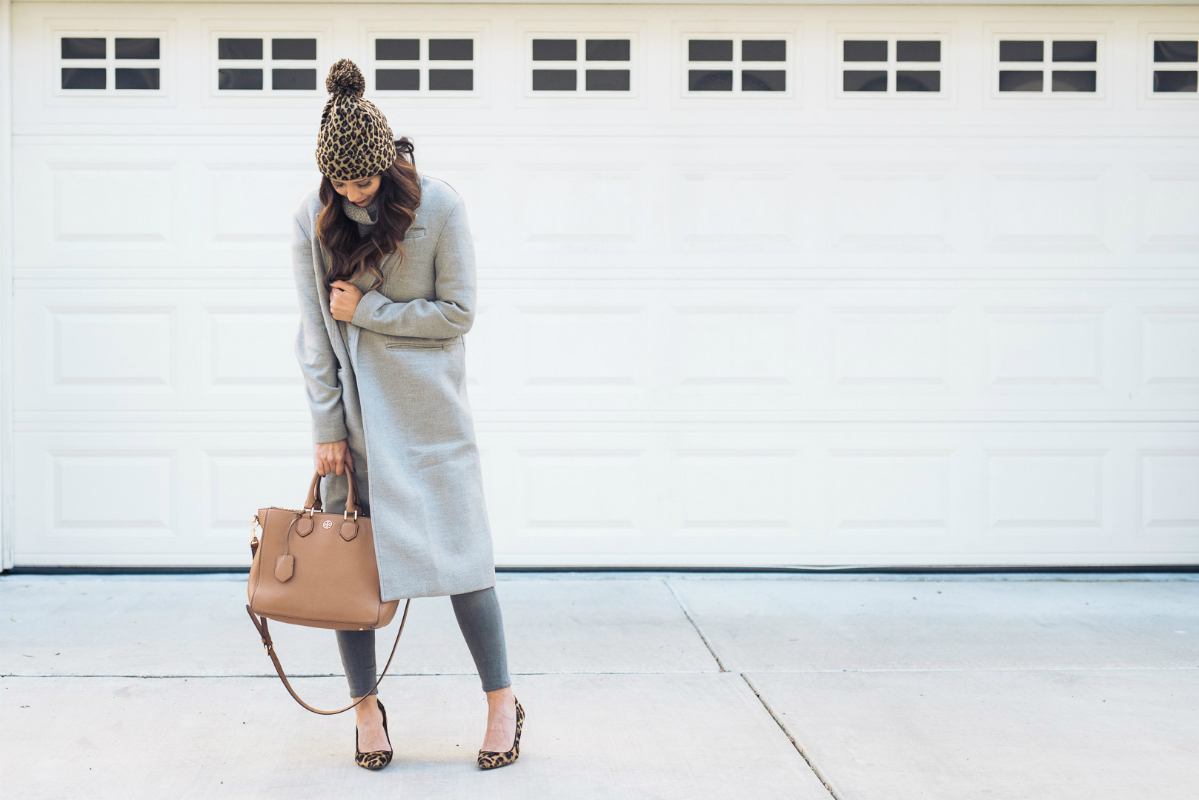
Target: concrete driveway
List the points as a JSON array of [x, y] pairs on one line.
[[636, 685]]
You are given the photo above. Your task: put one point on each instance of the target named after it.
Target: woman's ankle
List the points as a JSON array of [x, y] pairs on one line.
[[368, 709], [500, 697]]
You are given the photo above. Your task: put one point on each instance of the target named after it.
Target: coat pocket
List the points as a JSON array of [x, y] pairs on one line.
[[416, 343], [414, 233]]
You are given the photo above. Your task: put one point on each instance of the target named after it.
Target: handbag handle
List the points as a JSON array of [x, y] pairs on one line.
[[313, 504], [260, 624]]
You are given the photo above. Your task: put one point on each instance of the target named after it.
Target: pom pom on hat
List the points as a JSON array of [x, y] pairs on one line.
[[345, 79]]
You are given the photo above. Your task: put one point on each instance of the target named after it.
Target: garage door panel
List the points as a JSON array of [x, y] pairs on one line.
[[1047, 349], [240, 200], [1169, 503], [1169, 206], [152, 496], [160, 207], [1169, 349], [894, 206], [749, 209], [1050, 207], [129, 350]]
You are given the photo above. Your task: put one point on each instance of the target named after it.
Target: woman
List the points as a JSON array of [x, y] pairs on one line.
[[385, 274]]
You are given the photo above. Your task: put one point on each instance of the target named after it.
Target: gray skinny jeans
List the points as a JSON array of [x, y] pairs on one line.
[[482, 626]]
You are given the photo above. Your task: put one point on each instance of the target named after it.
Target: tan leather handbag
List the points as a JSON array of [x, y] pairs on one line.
[[317, 569]]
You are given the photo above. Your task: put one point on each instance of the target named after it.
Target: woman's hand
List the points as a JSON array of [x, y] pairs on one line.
[[343, 300], [332, 457]]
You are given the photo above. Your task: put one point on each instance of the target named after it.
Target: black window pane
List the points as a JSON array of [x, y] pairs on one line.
[[239, 78], [1073, 81], [451, 49], [710, 50], [763, 50], [918, 80], [864, 51], [83, 47], [458, 80], [239, 48], [1014, 80], [607, 80], [1075, 51], [555, 80], [293, 79], [135, 48], [763, 80], [1174, 80], [1021, 51], [397, 49], [404, 80], [710, 80], [555, 50], [137, 78], [294, 49], [607, 49], [864, 80], [83, 78], [1176, 51], [918, 51]]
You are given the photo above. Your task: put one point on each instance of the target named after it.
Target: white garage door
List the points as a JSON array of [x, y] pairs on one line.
[[759, 285]]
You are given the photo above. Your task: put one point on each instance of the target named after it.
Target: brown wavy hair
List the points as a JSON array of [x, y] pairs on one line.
[[398, 197]]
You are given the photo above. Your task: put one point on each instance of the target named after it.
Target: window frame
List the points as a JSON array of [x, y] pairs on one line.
[[110, 62], [908, 31], [789, 65], [267, 63], [891, 66], [1100, 33], [789, 31], [424, 63], [1149, 33], [581, 32]]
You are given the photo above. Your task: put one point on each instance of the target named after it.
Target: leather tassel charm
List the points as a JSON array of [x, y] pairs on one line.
[[284, 566]]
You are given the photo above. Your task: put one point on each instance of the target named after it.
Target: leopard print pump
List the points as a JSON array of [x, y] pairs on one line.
[[489, 759], [375, 759]]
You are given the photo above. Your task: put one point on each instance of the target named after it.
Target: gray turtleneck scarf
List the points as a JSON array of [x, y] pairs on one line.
[[365, 216]]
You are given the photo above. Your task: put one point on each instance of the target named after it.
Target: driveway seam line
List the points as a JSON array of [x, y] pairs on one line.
[[687, 613], [794, 743]]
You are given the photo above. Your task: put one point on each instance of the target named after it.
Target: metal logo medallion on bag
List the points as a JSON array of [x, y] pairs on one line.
[[322, 573]]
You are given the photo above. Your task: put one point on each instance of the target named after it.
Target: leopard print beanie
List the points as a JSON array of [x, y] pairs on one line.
[[355, 140]]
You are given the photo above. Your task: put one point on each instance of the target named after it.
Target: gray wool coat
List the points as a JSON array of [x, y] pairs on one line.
[[393, 382]]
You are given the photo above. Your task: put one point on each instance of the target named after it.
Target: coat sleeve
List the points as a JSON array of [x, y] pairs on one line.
[[453, 312], [313, 349]]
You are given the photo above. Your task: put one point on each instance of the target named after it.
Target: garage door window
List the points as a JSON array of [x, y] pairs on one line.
[[109, 64], [599, 65], [723, 64], [1175, 65], [440, 64], [254, 64], [1036, 65], [887, 65]]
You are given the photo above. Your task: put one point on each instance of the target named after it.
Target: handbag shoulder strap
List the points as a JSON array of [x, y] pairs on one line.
[[264, 632]]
